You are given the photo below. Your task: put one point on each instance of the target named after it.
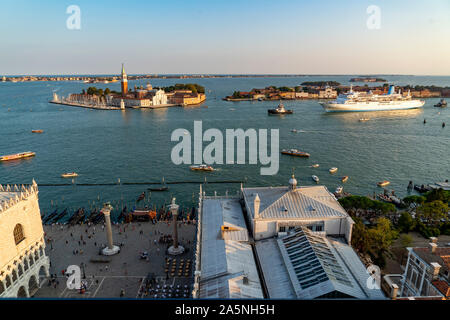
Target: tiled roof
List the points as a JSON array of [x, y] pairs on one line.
[[441, 256], [303, 202], [442, 286]]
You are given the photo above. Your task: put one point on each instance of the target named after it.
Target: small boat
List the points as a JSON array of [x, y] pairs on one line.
[[441, 104], [294, 130], [333, 170], [202, 167], [364, 119], [280, 110], [295, 152], [339, 190], [315, 178], [141, 197], [16, 156], [158, 189], [315, 165], [344, 179], [383, 183], [37, 131], [69, 175]]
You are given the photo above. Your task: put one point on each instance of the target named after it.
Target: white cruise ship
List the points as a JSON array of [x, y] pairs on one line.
[[367, 101]]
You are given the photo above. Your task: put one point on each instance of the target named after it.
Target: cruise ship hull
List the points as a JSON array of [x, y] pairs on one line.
[[371, 106]]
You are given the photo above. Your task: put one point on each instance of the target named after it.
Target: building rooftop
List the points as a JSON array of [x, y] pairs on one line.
[[441, 256], [307, 265], [12, 194], [302, 202], [228, 268]]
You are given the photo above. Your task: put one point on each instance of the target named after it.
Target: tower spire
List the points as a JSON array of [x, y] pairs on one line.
[[124, 81]]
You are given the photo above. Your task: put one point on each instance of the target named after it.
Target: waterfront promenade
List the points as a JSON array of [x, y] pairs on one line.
[[125, 272]]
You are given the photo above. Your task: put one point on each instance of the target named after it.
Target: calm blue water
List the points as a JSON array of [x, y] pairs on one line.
[[135, 145]]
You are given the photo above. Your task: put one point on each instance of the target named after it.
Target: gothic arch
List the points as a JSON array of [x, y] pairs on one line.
[[20, 269], [2, 287], [25, 264], [33, 285], [22, 292], [43, 271], [8, 281], [14, 276]]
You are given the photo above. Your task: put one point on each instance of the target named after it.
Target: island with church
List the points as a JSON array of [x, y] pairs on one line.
[[160, 97]]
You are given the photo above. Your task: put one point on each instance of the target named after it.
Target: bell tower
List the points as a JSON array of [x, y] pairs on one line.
[[124, 82]]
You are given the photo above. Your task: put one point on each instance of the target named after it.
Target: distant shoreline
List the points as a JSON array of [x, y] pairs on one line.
[[100, 78]]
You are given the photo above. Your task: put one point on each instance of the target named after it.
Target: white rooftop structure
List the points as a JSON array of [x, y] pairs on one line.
[[296, 247], [275, 209], [313, 266], [228, 268]]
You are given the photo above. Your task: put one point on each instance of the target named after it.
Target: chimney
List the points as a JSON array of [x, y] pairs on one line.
[[433, 247], [394, 291], [435, 268], [433, 240], [256, 203]]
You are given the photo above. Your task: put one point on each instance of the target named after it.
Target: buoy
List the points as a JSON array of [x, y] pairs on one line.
[[443, 124], [424, 120]]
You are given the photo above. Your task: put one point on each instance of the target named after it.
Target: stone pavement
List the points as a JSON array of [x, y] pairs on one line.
[[125, 272]]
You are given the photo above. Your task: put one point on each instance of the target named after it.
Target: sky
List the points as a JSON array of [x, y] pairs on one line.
[[226, 37]]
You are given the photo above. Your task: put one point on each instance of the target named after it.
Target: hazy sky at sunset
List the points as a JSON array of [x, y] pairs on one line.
[[297, 37]]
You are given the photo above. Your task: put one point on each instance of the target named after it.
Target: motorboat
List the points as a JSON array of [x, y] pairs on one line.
[[315, 178], [202, 167], [69, 175], [333, 170], [37, 131], [441, 104], [383, 183], [339, 190], [16, 156], [315, 165], [280, 110], [344, 179], [295, 152]]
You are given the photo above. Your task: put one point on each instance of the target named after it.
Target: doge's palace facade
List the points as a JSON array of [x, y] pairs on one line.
[[23, 261]]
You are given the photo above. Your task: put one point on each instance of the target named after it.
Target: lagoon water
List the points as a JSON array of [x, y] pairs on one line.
[[135, 146]]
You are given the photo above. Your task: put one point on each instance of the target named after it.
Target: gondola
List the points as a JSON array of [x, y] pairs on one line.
[[50, 216], [158, 189], [60, 216], [91, 215], [141, 197]]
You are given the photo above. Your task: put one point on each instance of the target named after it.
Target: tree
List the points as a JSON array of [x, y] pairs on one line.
[[107, 91], [414, 200], [405, 222], [405, 240], [438, 194], [433, 212], [360, 239]]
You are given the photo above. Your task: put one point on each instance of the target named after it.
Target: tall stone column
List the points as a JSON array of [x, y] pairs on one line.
[[175, 249], [111, 249]]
